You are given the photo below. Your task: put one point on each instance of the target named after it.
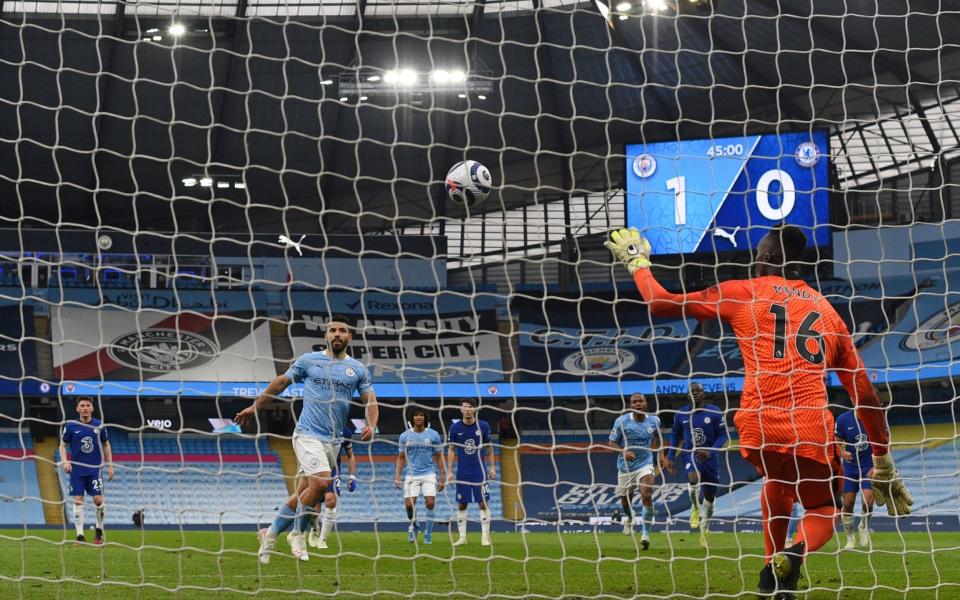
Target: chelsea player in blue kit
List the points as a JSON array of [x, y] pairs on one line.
[[638, 436], [330, 379], [469, 440], [857, 462], [421, 452], [699, 433], [89, 449]]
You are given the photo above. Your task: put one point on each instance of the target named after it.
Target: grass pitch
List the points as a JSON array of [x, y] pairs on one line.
[[205, 564]]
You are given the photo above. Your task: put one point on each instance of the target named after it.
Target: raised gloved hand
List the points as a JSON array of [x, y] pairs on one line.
[[888, 488], [352, 485], [629, 248]]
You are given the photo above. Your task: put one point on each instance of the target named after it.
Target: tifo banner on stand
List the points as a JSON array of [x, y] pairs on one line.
[[565, 338], [121, 345], [407, 336]]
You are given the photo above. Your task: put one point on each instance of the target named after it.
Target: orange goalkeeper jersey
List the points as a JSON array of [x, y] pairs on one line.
[[789, 336]]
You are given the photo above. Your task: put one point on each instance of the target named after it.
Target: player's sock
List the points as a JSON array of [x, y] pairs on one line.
[[707, 514], [411, 517], [816, 528], [848, 521], [646, 519], [78, 518], [776, 504], [485, 521], [283, 520], [428, 530], [329, 518], [462, 523], [307, 515], [101, 510], [865, 520], [694, 492]]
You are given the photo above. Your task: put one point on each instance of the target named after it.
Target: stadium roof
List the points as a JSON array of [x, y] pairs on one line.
[[100, 122]]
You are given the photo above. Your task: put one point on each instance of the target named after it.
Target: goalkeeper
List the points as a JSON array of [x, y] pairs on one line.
[[789, 335]]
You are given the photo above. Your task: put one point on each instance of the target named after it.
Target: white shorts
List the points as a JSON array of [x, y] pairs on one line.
[[627, 483], [422, 484], [314, 455]]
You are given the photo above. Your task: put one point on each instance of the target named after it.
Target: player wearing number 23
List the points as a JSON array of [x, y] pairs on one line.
[[789, 335]]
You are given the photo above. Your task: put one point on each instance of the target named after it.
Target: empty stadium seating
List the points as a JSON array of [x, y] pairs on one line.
[[181, 480], [19, 489]]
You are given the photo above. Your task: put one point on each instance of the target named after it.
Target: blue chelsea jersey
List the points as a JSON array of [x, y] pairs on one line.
[[85, 441], [850, 429], [329, 385], [471, 442], [703, 428], [637, 436]]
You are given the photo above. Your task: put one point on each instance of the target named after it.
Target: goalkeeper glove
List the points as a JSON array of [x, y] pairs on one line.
[[352, 486], [888, 488], [629, 248]]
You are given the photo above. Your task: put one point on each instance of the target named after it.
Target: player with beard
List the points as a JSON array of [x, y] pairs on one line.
[[330, 378]]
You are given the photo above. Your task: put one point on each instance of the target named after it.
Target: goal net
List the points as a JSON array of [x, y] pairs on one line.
[[192, 192]]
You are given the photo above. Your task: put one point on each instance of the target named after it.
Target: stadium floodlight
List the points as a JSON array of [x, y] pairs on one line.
[[408, 81], [624, 17], [362, 98], [177, 29], [481, 97], [189, 181], [206, 182], [403, 77], [223, 184], [326, 82], [239, 185], [658, 5], [157, 38], [623, 7], [153, 30], [343, 98]]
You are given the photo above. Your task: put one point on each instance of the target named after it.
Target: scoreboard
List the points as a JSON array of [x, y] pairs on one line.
[[724, 194]]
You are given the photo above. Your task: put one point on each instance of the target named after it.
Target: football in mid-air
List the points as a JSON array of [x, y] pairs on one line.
[[468, 183]]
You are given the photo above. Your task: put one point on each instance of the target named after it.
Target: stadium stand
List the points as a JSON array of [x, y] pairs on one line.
[[19, 488]]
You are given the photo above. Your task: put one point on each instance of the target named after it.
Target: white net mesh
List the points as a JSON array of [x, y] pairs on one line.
[[192, 190]]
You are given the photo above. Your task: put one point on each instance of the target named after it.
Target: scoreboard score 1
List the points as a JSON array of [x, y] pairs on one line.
[[724, 194]]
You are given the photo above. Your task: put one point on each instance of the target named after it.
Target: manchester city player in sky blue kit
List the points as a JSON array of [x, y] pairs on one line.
[[469, 440], [637, 435], [857, 462], [421, 452], [89, 449], [330, 379], [699, 432]]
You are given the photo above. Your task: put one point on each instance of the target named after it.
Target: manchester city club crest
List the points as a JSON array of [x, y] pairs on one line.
[[599, 361], [807, 154], [350, 372], [162, 350], [644, 166], [937, 330]]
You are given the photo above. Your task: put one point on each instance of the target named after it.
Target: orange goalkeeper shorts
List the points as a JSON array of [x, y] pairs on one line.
[[814, 483]]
